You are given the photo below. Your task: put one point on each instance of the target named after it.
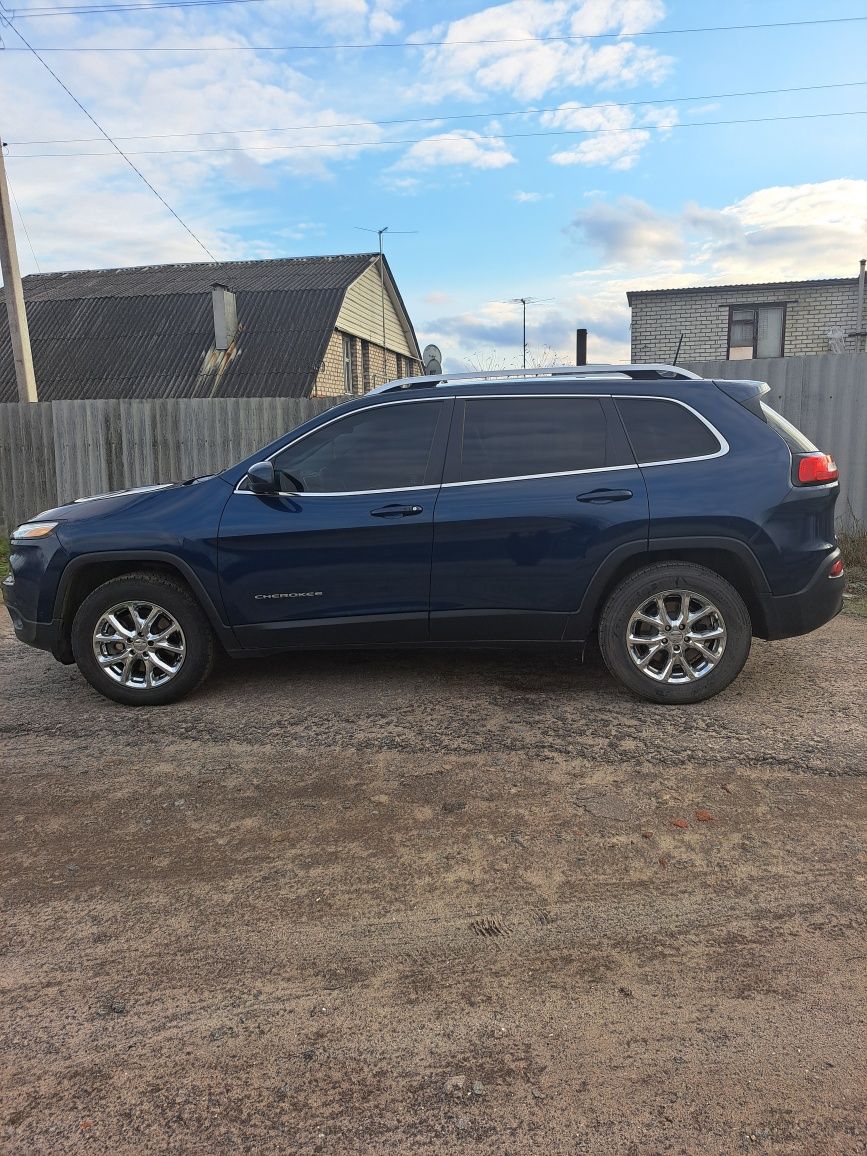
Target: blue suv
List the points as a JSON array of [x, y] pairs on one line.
[[670, 517]]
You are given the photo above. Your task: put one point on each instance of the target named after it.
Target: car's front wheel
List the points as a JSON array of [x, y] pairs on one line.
[[675, 632], [143, 640]]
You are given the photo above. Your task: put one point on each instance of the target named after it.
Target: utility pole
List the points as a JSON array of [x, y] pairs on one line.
[[18, 330]]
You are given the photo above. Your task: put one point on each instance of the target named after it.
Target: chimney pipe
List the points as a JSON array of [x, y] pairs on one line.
[[580, 346], [862, 341], [225, 316]]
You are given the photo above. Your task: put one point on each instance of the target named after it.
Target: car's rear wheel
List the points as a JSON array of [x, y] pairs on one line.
[[675, 632], [143, 640]]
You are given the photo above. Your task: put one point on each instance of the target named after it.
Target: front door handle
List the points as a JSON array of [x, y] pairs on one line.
[[397, 511], [605, 496]]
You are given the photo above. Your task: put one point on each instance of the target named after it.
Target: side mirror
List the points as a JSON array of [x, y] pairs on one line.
[[262, 479]]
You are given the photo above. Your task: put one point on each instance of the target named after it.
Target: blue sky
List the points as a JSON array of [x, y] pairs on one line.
[[638, 199]]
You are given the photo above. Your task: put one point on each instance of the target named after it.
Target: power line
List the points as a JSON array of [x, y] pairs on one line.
[[459, 115], [570, 37], [99, 9], [423, 140], [23, 223], [115, 146]]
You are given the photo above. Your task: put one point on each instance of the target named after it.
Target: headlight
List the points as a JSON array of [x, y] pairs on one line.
[[33, 530]]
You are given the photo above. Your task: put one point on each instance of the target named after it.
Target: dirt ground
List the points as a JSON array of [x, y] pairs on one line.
[[431, 902]]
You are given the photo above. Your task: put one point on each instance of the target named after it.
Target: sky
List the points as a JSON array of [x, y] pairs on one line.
[[508, 156]]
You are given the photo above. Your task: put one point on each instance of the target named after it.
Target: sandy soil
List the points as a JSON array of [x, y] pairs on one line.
[[437, 903]]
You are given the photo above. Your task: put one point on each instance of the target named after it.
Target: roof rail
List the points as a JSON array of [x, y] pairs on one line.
[[635, 372]]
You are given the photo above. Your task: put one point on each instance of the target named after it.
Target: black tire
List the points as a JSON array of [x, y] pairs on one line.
[[639, 589], [159, 590]]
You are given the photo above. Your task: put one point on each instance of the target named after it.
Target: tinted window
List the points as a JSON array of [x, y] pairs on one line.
[[662, 431], [386, 448], [513, 437], [797, 442]]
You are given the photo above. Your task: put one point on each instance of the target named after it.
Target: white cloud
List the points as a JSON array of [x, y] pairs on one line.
[[437, 297], [83, 210], [528, 68], [621, 133], [461, 147], [781, 233], [528, 198]]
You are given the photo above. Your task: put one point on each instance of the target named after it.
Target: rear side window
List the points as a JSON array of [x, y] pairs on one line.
[[791, 435], [522, 436], [663, 431]]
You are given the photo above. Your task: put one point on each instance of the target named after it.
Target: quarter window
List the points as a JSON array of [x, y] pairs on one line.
[[517, 437], [383, 448], [663, 431]]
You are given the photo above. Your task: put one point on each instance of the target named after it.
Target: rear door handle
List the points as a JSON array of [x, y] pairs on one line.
[[605, 496], [397, 511]]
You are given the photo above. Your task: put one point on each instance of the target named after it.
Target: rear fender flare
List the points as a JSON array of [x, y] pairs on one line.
[[580, 624]]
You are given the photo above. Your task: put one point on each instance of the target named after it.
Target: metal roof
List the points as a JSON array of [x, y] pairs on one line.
[[148, 332], [156, 280], [817, 281]]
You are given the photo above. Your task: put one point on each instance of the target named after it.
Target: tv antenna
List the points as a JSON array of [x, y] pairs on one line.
[[524, 302], [379, 232]]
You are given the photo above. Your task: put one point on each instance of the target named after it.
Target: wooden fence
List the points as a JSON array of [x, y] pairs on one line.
[[51, 452]]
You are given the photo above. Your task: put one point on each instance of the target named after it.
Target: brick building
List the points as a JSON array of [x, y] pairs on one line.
[[734, 322], [293, 327]]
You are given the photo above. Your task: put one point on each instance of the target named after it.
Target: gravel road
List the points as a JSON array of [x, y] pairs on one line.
[[435, 902]]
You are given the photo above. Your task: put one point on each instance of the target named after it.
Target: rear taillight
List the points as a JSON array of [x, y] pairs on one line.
[[813, 469], [837, 569]]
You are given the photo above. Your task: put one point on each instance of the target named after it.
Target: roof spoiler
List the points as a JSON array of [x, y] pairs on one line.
[[746, 393]]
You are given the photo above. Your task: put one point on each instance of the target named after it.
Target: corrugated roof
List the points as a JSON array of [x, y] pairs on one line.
[[148, 332], [818, 281], [145, 280]]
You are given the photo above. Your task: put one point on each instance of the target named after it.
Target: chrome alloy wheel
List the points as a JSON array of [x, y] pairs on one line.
[[139, 645], [676, 636]]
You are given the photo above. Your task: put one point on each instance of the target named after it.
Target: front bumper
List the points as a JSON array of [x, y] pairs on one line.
[[786, 616], [43, 635]]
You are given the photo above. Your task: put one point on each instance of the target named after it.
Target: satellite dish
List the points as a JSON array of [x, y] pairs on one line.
[[433, 360]]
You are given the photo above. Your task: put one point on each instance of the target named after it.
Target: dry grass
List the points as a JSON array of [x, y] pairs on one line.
[[853, 543]]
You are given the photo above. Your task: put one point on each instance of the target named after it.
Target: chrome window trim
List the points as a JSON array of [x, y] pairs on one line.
[[721, 452], [533, 477]]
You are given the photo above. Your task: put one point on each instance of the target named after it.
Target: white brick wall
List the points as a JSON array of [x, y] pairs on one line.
[[701, 315]]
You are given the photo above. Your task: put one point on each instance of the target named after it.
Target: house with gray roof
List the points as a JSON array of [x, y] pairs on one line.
[[291, 327]]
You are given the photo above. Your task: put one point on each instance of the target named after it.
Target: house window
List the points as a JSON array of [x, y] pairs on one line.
[[348, 382], [365, 366], [756, 331]]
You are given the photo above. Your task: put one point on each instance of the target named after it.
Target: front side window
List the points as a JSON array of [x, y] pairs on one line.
[[664, 431], [383, 448], [517, 437], [756, 331]]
